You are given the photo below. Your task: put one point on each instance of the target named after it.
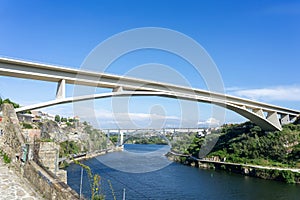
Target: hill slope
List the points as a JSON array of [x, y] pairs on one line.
[[247, 143]]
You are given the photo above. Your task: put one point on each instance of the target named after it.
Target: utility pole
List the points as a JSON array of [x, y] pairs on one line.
[[124, 194], [80, 188]]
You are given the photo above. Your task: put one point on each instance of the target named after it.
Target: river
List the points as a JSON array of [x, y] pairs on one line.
[[145, 173]]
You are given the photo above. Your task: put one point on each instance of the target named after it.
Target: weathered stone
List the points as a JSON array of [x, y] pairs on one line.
[[21, 193], [28, 198], [15, 188]]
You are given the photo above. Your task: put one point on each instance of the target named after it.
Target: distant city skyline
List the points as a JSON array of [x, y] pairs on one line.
[[254, 44]]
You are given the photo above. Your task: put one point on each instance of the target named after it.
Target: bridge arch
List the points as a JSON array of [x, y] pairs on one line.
[[270, 122], [269, 117]]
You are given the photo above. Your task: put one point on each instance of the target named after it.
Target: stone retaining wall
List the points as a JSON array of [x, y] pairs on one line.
[[47, 184], [43, 180]]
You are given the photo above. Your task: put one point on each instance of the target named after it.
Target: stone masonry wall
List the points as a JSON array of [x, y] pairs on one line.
[[43, 180], [48, 185]]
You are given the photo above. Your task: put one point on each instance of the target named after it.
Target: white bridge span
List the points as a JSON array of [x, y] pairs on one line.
[[268, 117]]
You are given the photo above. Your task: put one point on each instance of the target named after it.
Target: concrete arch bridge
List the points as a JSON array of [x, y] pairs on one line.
[[268, 117]]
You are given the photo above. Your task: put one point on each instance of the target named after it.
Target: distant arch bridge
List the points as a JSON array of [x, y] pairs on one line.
[[268, 117]]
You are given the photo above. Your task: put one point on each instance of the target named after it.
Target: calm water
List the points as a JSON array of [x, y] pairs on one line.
[[172, 181]]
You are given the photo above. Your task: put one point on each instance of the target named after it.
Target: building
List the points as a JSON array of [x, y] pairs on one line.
[[41, 116], [25, 117]]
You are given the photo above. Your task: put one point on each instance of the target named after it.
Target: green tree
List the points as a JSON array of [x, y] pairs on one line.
[[15, 105], [63, 119], [114, 138], [57, 118]]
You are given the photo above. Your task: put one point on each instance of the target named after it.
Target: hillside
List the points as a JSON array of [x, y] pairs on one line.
[[74, 137], [246, 143]]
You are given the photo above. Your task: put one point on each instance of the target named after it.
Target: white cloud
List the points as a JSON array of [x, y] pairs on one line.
[[229, 89], [106, 114], [280, 93], [109, 118], [63, 110], [209, 122]]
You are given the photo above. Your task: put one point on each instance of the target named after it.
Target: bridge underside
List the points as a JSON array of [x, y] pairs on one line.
[[269, 117], [270, 122]]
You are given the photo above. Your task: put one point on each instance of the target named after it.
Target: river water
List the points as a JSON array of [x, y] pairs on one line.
[[145, 173]]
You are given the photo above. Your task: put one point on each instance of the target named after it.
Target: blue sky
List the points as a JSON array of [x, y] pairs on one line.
[[255, 45]]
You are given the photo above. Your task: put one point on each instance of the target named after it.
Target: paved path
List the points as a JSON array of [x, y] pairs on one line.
[[249, 165], [13, 187], [230, 163]]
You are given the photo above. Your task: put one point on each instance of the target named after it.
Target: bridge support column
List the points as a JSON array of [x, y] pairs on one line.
[[259, 112], [273, 118], [61, 89], [107, 136], [293, 118], [285, 119], [118, 89], [121, 138]]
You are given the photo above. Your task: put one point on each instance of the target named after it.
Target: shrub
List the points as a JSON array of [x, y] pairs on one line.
[[288, 176], [27, 126], [6, 158]]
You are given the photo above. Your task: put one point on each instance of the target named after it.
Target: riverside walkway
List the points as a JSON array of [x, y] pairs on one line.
[[249, 165], [13, 187], [203, 160]]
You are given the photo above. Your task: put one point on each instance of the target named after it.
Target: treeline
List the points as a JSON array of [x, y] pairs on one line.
[[59, 118], [147, 140]]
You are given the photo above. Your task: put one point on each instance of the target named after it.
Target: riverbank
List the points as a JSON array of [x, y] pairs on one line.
[[99, 153], [88, 156], [288, 175]]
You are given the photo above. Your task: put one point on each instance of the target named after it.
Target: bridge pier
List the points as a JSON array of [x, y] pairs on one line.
[[273, 118], [61, 89], [118, 89], [107, 136], [285, 119], [293, 118], [121, 138], [259, 112]]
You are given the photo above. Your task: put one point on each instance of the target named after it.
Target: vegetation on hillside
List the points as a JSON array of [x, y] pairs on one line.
[[69, 120], [135, 139], [68, 148], [26, 125], [15, 105], [249, 144], [5, 157], [97, 139]]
